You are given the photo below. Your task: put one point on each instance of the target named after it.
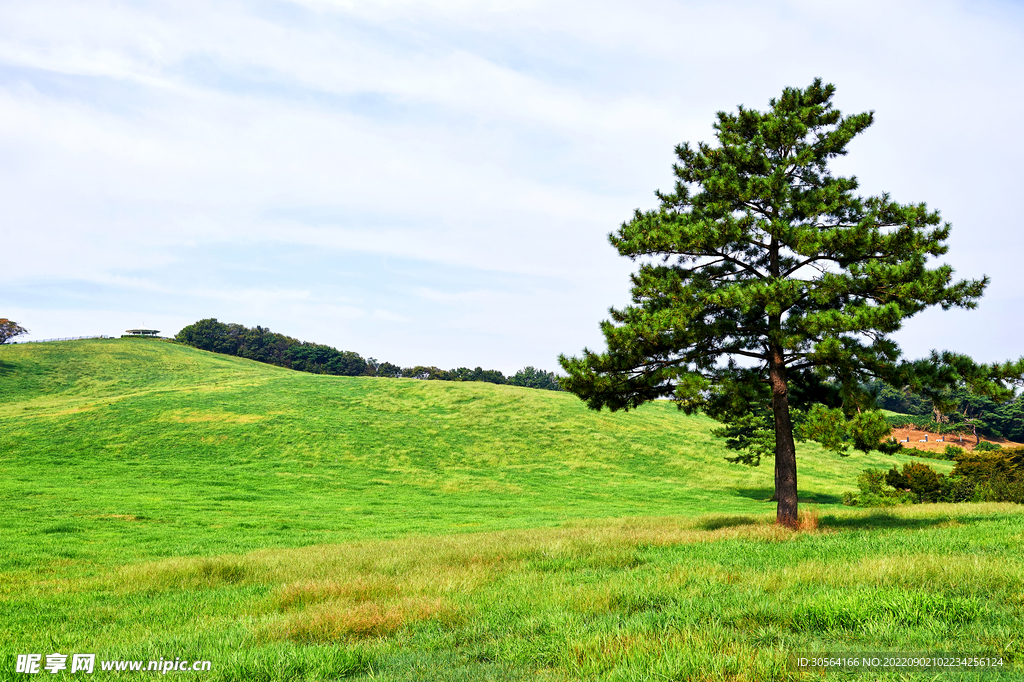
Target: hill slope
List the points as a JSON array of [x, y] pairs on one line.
[[132, 444]]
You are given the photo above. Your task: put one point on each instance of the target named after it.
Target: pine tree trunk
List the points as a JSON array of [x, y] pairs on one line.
[[785, 448]]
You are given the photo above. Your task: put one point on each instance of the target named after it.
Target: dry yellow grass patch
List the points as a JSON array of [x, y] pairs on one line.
[[808, 520], [121, 517], [469, 485], [335, 621], [362, 588], [53, 407], [672, 656], [198, 417], [365, 606]]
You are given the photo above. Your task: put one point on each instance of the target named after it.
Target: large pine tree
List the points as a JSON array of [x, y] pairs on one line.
[[763, 275]]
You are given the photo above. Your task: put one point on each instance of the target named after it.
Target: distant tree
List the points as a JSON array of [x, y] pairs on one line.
[[532, 377], [1010, 418], [10, 329], [320, 359], [461, 374], [491, 376], [901, 400], [762, 271], [260, 344], [386, 369], [957, 410], [422, 372], [263, 345], [209, 334], [974, 412]]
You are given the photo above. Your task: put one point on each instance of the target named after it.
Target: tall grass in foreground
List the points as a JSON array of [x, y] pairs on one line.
[[714, 598]]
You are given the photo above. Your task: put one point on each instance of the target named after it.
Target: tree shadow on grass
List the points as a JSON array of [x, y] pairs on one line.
[[6, 368], [876, 519], [881, 520], [716, 522], [766, 494]]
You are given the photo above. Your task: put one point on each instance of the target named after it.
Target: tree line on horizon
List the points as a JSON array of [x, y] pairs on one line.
[[262, 345]]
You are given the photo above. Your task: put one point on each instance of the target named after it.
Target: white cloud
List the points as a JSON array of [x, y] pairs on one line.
[[140, 143]]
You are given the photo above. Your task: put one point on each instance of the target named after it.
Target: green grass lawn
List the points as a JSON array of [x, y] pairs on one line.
[[160, 501]]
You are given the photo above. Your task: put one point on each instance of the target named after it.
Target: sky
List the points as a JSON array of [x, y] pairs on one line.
[[433, 181]]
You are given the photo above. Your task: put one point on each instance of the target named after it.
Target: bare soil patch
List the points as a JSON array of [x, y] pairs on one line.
[[937, 442]]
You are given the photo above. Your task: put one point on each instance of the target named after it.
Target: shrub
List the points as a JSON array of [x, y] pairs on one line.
[[923, 482], [875, 491], [1007, 490], [977, 477], [872, 481], [957, 489], [997, 475], [985, 446], [953, 451], [926, 454], [890, 447]]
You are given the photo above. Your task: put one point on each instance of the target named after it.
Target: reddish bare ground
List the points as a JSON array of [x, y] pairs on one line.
[[935, 445]]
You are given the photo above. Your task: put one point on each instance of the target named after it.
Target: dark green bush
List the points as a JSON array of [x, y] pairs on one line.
[[919, 479], [872, 481], [996, 476], [875, 492], [1007, 490], [926, 454], [953, 451], [955, 489], [923, 481], [890, 447]]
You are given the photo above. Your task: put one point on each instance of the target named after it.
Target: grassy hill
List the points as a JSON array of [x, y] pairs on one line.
[[159, 499], [135, 442]]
